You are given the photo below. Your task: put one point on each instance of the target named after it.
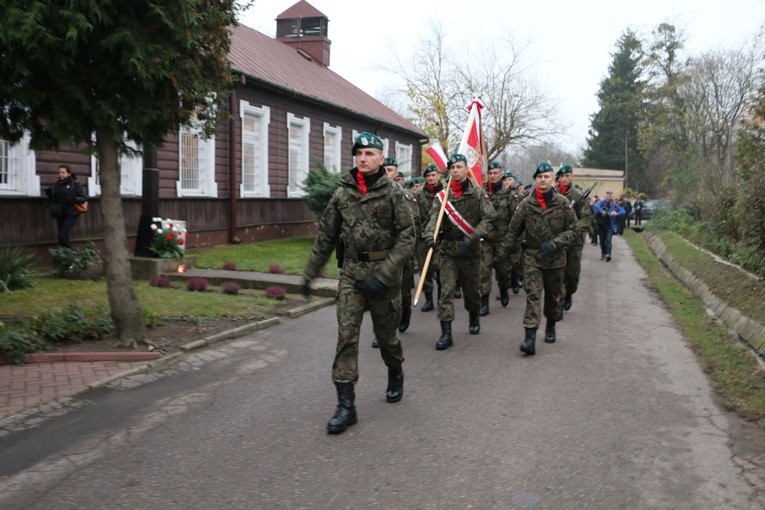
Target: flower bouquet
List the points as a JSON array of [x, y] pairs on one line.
[[168, 239]]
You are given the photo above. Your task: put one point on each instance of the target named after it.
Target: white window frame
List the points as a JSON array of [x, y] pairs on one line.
[[22, 176], [353, 140], [131, 174], [206, 154], [263, 115], [386, 147], [333, 156], [298, 174], [404, 158]]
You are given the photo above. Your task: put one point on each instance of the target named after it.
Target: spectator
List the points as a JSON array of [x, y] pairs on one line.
[[63, 194], [607, 213], [639, 204]]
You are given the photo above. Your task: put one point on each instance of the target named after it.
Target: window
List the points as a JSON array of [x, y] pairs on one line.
[[404, 158], [298, 129], [254, 150], [17, 169], [196, 164], [131, 175], [386, 147], [333, 137]]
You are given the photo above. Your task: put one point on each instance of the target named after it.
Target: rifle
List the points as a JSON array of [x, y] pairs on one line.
[[585, 194], [426, 264]]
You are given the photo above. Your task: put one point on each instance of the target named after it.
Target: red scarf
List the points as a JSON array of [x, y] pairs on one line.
[[432, 188], [540, 198], [563, 189], [456, 189], [362, 183]]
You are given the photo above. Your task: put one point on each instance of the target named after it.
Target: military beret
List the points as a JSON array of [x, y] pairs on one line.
[[430, 168], [507, 174], [494, 164], [528, 186], [390, 162], [456, 157], [418, 180], [564, 169], [542, 168], [366, 140], [402, 174]]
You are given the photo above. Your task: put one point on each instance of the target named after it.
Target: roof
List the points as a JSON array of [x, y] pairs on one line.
[[302, 9], [263, 58]]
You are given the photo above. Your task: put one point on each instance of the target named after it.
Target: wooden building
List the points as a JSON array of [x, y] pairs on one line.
[[289, 110]]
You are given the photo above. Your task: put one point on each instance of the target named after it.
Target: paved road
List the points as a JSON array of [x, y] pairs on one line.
[[617, 414]]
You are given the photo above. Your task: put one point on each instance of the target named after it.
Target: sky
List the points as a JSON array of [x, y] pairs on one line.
[[569, 44]]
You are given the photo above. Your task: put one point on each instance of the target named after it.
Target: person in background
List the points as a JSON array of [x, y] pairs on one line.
[[425, 197], [627, 210], [491, 244], [372, 217], [639, 204], [63, 194], [594, 229], [607, 212]]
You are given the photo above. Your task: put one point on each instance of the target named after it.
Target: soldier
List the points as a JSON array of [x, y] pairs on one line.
[[515, 257], [425, 198], [547, 221], [490, 246], [373, 218], [581, 207], [416, 184], [468, 217]]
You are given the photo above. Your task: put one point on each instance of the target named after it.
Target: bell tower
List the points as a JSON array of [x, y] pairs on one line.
[[305, 28]]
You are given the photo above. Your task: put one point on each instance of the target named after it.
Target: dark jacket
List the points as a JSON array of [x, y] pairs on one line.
[[64, 194]]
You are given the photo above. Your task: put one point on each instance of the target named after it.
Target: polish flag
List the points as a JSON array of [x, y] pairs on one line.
[[436, 152], [471, 145]]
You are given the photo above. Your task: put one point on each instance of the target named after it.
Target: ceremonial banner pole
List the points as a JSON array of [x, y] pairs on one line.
[[426, 265]]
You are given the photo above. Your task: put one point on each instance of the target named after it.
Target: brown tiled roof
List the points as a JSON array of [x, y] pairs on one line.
[[263, 58], [302, 9]]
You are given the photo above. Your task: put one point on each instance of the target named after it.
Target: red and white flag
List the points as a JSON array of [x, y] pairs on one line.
[[471, 145], [436, 152]]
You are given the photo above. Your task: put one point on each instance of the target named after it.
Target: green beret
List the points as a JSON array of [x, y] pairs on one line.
[[542, 168], [402, 174], [430, 168], [409, 183], [494, 164], [390, 162], [366, 140], [528, 186], [564, 169], [418, 180], [507, 174], [456, 157]]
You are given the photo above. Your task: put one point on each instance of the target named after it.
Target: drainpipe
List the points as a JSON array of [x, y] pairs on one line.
[[233, 167]]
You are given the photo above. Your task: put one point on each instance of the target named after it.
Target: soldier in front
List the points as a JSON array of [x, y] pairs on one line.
[[547, 221], [468, 217], [371, 215]]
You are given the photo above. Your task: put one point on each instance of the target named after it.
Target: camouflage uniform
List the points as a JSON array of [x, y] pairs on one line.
[[490, 247], [378, 233], [476, 209], [425, 198], [542, 272], [584, 219], [407, 274]]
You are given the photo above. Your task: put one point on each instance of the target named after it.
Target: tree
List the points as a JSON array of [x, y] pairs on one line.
[[613, 135], [100, 75]]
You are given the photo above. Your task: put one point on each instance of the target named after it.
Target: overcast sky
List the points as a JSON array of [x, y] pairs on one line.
[[569, 43]]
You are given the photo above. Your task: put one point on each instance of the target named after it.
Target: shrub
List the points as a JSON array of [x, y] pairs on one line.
[[152, 319], [229, 266], [72, 324], [231, 288], [160, 281], [69, 262], [276, 292], [15, 343], [197, 283], [275, 269], [15, 269]]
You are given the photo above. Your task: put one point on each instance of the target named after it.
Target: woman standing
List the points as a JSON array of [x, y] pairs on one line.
[[63, 194]]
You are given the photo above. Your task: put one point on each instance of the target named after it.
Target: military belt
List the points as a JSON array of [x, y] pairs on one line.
[[366, 256]]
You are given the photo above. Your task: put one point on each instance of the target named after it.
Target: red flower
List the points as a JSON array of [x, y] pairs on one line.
[[169, 237], [180, 242]]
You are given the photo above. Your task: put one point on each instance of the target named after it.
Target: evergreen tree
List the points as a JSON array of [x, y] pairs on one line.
[[613, 136]]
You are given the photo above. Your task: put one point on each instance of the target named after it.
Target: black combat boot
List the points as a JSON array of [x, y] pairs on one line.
[[375, 344], [345, 414], [428, 304], [567, 302], [475, 325], [446, 336], [406, 315], [550, 332], [458, 293], [504, 297], [516, 285], [395, 385], [484, 310], [527, 347]]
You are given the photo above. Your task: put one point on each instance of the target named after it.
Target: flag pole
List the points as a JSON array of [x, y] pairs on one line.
[[426, 264]]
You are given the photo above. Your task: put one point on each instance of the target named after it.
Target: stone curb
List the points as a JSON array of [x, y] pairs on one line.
[[52, 357], [229, 334], [747, 329]]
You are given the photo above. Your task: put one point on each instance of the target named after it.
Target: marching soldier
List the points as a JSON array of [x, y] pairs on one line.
[[374, 220], [425, 198], [547, 221], [515, 257], [584, 217], [468, 217], [491, 244]]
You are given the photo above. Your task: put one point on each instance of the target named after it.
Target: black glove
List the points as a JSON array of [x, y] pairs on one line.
[[548, 247], [305, 288], [374, 287], [465, 248], [430, 243]]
